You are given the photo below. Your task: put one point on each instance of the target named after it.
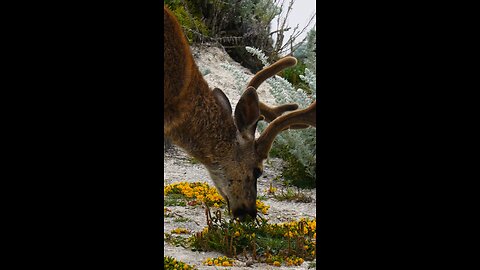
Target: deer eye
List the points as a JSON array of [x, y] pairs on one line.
[[257, 173]]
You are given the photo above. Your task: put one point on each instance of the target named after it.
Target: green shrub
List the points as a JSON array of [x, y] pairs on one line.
[[292, 75], [190, 20], [295, 173]]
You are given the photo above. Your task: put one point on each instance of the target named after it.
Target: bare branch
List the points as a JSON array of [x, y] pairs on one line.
[[281, 46]]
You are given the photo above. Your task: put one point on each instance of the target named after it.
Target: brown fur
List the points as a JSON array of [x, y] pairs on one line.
[[200, 121], [197, 123]]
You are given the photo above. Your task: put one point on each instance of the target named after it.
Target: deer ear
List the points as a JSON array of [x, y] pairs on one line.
[[222, 100], [247, 112]]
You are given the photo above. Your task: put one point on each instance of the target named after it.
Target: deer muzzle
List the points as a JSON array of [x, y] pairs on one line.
[[243, 213]]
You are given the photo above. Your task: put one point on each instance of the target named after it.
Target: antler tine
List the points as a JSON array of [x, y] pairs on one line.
[[270, 113], [271, 70], [305, 117]]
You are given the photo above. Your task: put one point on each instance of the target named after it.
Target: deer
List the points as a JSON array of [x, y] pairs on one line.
[[200, 121]]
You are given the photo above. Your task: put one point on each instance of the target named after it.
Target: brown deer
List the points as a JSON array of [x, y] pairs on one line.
[[200, 121]]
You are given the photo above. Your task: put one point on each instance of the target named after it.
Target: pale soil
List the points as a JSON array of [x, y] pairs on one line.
[[178, 167]]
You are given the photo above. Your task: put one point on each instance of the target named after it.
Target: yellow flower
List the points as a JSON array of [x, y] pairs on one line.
[[276, 263], [237, 234], [225, 263], [253, 235], [215, 262], [210, 263], [300, 260]]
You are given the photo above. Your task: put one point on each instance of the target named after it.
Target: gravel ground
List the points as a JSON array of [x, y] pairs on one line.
[[178, 166]]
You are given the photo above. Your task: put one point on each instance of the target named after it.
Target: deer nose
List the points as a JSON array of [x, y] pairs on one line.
[[243, 212]]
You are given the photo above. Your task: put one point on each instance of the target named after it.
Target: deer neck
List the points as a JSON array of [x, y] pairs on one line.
[[206, 131]]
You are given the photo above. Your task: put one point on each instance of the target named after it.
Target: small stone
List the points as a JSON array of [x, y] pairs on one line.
[[249, 263]]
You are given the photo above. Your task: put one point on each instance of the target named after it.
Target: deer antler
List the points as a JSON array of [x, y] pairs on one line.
[[271, 70], [305, 118], [270, 113], [296, 120]]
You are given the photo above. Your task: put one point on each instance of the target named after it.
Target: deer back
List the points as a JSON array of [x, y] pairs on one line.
[[179, 72], [178, 61]]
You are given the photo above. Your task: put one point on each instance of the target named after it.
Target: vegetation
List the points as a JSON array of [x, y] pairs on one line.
[[171, 263], [198, 193], [292, 75], [290, 194], [182, 219], [285, 243], [219, 261], [294, 173], [177, 240], [193, 160], [189, 17], [175, 200], [236, 24], [307, 51]]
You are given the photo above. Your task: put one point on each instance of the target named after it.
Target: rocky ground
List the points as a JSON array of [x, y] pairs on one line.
[[178, 167]]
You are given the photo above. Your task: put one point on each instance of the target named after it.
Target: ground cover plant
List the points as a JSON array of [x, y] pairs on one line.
[[219, 261], [257, 241], [198, 193], [170, 263], [279, 244]]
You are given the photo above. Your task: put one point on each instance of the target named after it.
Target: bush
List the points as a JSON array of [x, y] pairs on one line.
[[293, 76], [233, 24], [194, 27]]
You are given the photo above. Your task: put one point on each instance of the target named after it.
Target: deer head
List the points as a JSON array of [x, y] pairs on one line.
[[202, 122], [237, 173]]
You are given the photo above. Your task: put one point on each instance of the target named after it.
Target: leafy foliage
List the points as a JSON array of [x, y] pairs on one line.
[[190, 20], [233, 24], [293, 74], [307, 51], [294, 173]]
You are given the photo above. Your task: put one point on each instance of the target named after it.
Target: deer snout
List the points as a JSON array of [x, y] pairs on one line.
[[243, 212]]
